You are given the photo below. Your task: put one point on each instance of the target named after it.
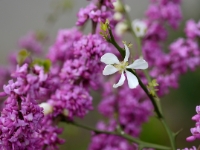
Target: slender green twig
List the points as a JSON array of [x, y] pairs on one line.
[[121, 134], [157, 110], [112, 40]]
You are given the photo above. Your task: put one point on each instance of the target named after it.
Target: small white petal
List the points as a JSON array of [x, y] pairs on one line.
[[138, 64], [121, 81], [109, 59], [109, 69], [132, 80], [139, 27], [127, 53]]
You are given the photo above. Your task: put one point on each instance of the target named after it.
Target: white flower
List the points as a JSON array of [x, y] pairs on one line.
[[114, 65], [117, 16], [118, 6], [121, 28], [47, 108], [139, 27]]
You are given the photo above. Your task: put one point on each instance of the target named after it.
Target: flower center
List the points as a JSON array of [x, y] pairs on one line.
[[122, 66]]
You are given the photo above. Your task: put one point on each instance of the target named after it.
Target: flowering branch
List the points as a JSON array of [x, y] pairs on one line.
[[121, 134], [155, 100]]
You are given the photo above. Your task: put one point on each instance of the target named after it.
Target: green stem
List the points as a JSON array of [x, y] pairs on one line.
[[151, 97], [131, 29], [112, 40], [155, 100], [156, 104], [170, 134], [94, 26], [121, 134]]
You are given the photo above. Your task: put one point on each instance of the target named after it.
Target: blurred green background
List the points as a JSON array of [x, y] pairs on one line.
[[19, 17]]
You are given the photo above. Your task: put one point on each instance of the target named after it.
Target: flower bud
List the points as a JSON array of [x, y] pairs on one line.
[[121, 27], [65, 112], [118, 6], [118, 16], [47, 108]]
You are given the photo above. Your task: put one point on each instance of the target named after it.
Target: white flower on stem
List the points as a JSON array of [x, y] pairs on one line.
[[139, 28], [113, 65]]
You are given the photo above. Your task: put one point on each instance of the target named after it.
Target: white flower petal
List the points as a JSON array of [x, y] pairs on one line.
[[109, 59], [109, 69], [127, 53], [121, 81], [132, 80], [139, 27], [138, 64]]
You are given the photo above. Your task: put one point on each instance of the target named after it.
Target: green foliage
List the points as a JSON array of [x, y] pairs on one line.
[[46, 64], [22, 55], [152, 87], [104, 29]]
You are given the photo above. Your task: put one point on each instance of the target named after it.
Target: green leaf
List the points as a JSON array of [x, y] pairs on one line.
[[46, 64], [22, 55], [154, 82], [104, 27]]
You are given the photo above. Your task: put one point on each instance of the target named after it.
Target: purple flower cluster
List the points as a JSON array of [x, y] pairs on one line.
[[109, 142], [123, 103], [192, 29], [196, 130], [132, 109], [34, 85], [21, 118], [183, 54], [76, 68], [71, 101], [193, 148], [49, 133], [85, 65], [30, 43], [97, 11], [63, 46], [19, 124], [165, 10]]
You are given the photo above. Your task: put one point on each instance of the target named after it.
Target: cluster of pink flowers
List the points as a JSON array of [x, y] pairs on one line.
[[167, 66], [196, 130], [22, 118], [97, 11]]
